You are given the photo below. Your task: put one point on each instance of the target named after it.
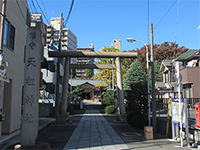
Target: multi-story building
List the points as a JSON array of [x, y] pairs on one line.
[[80, 73], [68, 43], [190, 73], [48, 69], [165, 89], [117, 44], [68, 39], [16, 23]]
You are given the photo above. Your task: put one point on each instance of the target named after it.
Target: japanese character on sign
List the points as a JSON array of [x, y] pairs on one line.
[[31, 61], [30, 81], [29, 100], [32, 44], [28, 118], [33, 35]]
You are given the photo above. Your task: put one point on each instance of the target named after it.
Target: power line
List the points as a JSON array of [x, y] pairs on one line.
[[34, 5], [42, 11], [69, 12], [165, 14]]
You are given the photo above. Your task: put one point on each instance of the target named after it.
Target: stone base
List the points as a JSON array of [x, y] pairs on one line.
[[62, 118], [148, 132], [121, 118]]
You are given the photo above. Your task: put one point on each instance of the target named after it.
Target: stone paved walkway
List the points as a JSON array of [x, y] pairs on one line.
[[94, 133]]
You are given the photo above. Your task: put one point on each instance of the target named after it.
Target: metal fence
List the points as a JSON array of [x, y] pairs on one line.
[[162, 109]]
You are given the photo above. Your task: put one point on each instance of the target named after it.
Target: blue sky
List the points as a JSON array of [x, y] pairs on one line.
[[101, 21]]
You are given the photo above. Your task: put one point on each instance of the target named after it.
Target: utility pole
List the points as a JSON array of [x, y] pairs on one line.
[[153, 83], [58, 72]]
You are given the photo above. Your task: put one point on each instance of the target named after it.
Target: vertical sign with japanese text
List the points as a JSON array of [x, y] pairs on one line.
[[29, 129]]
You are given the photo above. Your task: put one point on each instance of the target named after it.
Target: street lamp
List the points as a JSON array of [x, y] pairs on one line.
[[131, 40]]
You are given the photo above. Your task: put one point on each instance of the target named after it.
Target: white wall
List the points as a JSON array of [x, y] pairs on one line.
[[15, 70]]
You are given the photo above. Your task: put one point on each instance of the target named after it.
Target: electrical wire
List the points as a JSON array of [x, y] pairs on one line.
[[69, 13], [44, 8], [34, 5], [165, 14], [42, 11]]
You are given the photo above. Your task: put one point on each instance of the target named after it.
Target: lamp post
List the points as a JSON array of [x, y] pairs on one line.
[[131, 40]]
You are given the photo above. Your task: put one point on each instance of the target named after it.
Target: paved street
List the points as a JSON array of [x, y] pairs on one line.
[[94, 132]]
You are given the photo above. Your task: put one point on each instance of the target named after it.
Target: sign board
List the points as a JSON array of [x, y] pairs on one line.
[[175, 111]]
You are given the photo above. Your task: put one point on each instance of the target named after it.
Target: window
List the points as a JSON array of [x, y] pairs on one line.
[[9, 35]]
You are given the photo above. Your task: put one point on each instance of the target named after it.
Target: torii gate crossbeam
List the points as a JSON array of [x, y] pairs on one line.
[[92, 66], [70, 54], [92, 54]]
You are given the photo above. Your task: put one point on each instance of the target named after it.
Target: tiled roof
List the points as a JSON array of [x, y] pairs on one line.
[[167, 62], [186, 55], [75, 82]]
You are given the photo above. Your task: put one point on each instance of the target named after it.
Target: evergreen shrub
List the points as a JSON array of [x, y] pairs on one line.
[[137, 120], [110, 109], [108, 98]]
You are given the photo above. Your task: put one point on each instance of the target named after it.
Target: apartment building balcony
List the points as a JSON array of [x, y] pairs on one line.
[[48, 40], [48, 76], [49, 30], [49, 35]]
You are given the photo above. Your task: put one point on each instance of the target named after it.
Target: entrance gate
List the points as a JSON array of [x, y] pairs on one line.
[[71, 54]]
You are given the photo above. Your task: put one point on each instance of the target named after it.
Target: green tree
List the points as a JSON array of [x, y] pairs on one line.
[[105, 75], [136, 94], [134, 75], [73, 73], [89, 73], [108, 98], [78, 90], [157, 73], [164, 51], [125, 65]]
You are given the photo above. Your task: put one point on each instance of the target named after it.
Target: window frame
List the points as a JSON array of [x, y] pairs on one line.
[[9, 35]]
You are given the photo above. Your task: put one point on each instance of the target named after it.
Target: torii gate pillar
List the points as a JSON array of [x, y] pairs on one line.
[[120, 86], [65, 86]]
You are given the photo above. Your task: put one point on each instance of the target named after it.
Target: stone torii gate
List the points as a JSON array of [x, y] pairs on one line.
[[71, 54]]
